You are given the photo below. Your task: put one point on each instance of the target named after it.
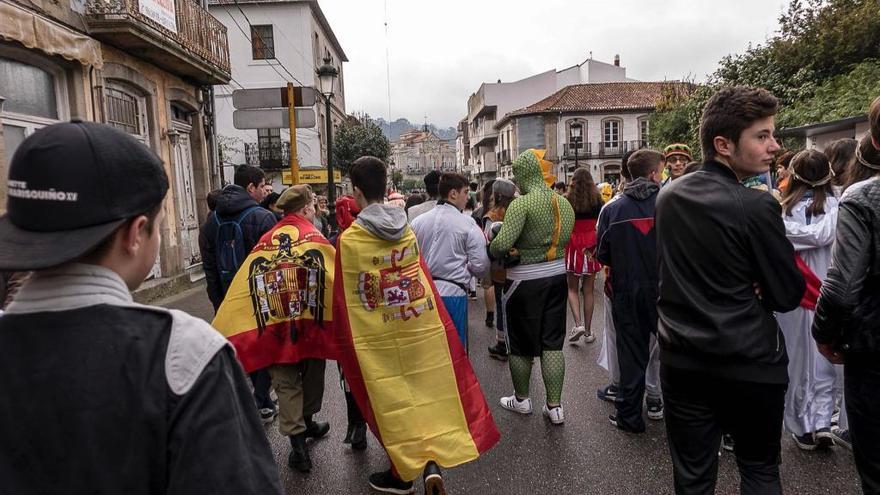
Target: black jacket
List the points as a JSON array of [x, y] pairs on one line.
[[627, 243], [232, 201], [103, 396], [716, 239], [848, 312]]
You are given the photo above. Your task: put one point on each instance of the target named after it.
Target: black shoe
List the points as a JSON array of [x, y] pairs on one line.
[[613, 420], [433, 479], [608, 394], [359, 437], [727, 443], [472, 294], [386, 482], [316, 429], [498, 351], [823, 438], [299, 455], [490, 319]]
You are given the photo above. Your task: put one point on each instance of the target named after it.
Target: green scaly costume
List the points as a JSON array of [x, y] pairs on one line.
[[529, 227]]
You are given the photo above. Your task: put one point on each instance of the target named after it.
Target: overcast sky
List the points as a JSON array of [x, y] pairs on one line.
[[440, 52]]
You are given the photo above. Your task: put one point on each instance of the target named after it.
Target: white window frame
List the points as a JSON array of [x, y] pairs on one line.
[[31, 123], [605, 126], [144, 120]]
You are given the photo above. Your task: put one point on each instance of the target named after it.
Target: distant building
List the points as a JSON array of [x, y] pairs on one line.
[[495, 100], [463, 149], [282, 36], [417, 151], [586, 125]]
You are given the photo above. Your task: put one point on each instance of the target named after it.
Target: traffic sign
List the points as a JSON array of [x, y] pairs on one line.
[[310, 176], [272, 118], [244, 99]]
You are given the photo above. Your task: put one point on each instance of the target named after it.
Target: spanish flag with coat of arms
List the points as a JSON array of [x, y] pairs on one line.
[[402, 356], [279, 307]]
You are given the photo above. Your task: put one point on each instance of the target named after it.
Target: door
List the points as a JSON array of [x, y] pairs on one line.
[[187, 217]]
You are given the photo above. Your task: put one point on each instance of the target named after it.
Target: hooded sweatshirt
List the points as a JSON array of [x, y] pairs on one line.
[[383, 221], [537, 224], [233, 201]]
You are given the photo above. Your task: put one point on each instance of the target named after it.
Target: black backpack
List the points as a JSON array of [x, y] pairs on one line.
[[229, 242]]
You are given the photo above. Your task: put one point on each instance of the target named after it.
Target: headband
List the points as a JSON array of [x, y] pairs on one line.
[[817, 183], [863, 161]]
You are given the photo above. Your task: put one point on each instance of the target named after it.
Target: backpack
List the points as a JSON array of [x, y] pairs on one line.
[[229, 243]]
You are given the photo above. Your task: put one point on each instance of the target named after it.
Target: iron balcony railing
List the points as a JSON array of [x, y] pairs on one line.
[[268, 157], [606, 149]]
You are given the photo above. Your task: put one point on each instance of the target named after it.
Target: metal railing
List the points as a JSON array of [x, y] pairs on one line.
[[609, 149], [268, 157], [198, 31]]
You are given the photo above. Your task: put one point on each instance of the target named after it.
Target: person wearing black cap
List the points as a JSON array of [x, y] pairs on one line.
[[432, 187], [133, 398]]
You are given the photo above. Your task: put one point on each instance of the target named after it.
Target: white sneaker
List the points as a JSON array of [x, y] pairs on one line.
[[590, 337], [576, 332], [520, 406], [557, 417]]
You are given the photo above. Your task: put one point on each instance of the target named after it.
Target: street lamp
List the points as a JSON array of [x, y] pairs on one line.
[[326, 76], [575, 133]]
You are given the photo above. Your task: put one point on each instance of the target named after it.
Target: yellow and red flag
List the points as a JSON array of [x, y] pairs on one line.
[[279, 307], [402, 357]]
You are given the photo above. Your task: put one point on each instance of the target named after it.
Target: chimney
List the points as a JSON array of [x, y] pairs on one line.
[[617, 60]]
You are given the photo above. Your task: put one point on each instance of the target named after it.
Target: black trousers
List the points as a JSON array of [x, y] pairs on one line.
[[698, 407], [635, 319], [862, 390]]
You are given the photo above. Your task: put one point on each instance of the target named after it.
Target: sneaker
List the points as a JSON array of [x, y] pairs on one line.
[[520, 406], [823, 438], [841, 437], [472, 295], [490, 319], [498, 351], [433, 480], [655, 409], [805, 441], [835, 417], [727, 442], [589, 338], [386, 482], [608, 394], [267, 414], [576, 333], [555, 414], [613, 420]]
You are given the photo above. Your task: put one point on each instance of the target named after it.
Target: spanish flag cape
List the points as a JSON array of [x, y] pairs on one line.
[[279, 307], [402, 357]]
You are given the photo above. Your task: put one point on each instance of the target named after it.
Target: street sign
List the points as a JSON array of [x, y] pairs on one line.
[[244, 99], [272, 118], [313, 176]]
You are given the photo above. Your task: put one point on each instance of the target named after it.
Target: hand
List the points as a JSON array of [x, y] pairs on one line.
[[758, 291], [830, 353]]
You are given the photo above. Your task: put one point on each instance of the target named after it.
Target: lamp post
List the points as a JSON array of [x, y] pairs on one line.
[[576, 143], [326, 76]]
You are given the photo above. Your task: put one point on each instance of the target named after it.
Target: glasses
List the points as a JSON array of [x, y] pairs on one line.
[[677, 159]]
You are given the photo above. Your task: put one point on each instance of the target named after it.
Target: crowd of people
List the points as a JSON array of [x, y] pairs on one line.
[[741, 295]]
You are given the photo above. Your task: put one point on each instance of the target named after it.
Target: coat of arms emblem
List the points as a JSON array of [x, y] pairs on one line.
[[397, 287]]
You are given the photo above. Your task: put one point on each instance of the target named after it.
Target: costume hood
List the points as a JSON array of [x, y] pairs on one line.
[[532, 171]]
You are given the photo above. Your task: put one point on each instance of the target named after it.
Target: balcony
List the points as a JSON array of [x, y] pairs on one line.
[[176, 35], [267, 157], [483, 133], [601, 150], [503, 157]]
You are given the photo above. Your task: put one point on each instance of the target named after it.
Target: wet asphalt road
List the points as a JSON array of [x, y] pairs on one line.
[[584, 456]]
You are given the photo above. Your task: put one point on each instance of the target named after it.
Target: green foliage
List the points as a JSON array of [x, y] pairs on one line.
[[822, 65], [356, 138], [396, 178], [412, 184], [842, 96]]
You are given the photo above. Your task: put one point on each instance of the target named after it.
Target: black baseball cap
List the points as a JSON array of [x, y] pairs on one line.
[[70, 186]]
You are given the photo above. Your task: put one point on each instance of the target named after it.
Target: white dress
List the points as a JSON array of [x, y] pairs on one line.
[[813, 382]]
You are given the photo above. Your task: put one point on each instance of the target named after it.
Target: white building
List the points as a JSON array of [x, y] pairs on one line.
[[417, 152], [271, 43], [495, 100], [586, 125]]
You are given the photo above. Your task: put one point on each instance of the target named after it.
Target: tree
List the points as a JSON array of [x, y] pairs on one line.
[[397, 178], [356, 138]]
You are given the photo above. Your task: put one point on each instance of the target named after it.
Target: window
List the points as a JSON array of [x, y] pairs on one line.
[[576, 134], [644, 133], [269, 144], [611, 134], [126, 111], [34, 93], [262, 42]]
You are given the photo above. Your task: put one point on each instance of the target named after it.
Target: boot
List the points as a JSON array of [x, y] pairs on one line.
[[299, 455], [433, 480], [315, 429], [359, 436]]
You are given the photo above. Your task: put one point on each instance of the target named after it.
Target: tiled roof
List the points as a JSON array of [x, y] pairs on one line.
[[600, 97]]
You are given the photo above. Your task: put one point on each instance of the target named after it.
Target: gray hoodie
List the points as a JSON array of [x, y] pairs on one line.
[[383, 221]]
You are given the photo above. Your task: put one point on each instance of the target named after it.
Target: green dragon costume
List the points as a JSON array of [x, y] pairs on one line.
[[536, 229]]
